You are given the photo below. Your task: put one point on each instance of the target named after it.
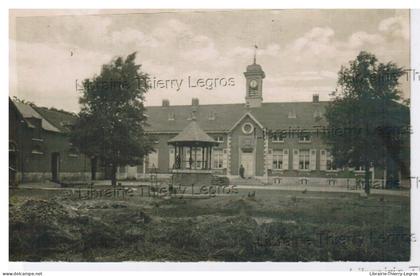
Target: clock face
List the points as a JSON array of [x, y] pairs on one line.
[[253, 84]]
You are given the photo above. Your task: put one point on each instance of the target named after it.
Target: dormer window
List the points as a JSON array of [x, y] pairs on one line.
[[212, 116], [66, 124], [305, 138], [317, 114], [278, 138], [192, 115], [219, 139], [171, 116], [292, 114]]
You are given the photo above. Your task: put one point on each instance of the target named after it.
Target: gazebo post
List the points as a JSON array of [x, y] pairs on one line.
[[210, 159], [181, 156], [190, 160], [195, 157], [174, 164], [207, 157], [202, 158]]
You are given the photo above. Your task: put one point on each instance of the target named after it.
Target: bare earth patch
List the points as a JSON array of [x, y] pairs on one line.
[[272, 226]]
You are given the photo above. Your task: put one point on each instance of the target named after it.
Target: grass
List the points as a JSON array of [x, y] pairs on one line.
[[273, 226]]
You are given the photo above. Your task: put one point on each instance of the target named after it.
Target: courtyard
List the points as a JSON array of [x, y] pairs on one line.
[[241, 223]]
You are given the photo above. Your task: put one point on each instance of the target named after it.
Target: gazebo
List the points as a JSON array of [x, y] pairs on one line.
[[192, 155]]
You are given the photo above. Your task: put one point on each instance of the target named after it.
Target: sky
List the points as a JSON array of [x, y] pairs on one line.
[[300, 51]]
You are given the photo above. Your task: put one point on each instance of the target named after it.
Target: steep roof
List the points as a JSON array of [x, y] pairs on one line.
[[27, 111], [51, 119], [192, 133], [273, 116], [59, 118]]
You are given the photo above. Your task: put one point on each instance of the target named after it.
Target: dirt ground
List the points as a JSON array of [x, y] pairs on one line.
[[134, 224]]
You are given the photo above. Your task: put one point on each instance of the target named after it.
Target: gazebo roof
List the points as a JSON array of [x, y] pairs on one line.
[[192, 134]]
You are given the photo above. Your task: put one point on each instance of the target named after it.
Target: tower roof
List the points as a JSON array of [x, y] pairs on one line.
[[254, 68]]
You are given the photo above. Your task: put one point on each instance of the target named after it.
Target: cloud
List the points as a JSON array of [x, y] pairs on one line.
[[305, 57], [133, 38], [396, 27], [316, 41], [201, 49], [362, 39]]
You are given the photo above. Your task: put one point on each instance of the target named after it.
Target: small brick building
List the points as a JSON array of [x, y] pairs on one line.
[[39, 147]]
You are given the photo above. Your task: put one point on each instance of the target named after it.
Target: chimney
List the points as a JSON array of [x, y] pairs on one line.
[[315, 98], [165, 102], [194, 102]]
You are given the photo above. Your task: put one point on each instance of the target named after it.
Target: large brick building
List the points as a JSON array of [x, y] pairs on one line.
[[273, 141], [277, 141]]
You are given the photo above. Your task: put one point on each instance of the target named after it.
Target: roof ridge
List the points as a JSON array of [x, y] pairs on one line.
[[224, 104]]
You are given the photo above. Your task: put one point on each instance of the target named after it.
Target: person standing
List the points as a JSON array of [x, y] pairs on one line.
[[242, 171]]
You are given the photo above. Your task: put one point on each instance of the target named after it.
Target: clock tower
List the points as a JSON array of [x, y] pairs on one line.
[[254, 76]]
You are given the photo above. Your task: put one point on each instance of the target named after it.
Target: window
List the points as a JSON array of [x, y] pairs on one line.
[[304, 159], [171, 116], [212, 116], [277, 159], [192, 115], [37, 150], [317, 114], [73, 152], [305, 138], [331, 166], [219, 139], [217, 159], [37, 130], [359, 169], [153, 160], [292, 114], [278, 138]]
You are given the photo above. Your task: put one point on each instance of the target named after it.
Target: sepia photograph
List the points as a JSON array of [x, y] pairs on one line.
[[176, 135]]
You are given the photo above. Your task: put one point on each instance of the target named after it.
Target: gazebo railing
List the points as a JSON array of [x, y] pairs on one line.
[[194, 165]]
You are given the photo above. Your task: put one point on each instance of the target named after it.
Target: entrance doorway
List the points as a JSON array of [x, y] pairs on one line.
[[247, 160], [93, 166], [55, 166]]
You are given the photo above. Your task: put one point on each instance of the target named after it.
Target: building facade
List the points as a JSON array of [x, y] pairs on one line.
[[39, 147], [272, 141]]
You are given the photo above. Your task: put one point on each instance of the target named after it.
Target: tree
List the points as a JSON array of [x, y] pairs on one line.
[[110, 124], [366, 111]]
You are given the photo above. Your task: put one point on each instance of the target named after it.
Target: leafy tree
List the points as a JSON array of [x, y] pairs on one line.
[[366, 110], [110, 124]]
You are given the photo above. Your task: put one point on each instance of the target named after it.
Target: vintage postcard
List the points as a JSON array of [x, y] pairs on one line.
[[210, 136]]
